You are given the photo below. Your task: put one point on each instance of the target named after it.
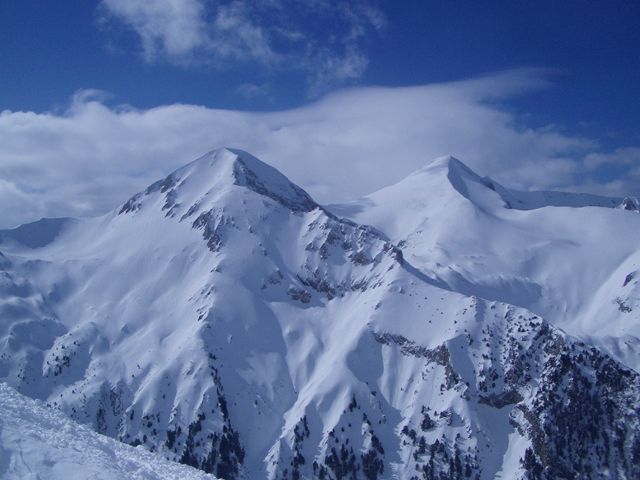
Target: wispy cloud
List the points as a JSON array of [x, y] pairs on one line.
[[90, 158], [320, 38], [253, 90], [171, 29], [620, 156]]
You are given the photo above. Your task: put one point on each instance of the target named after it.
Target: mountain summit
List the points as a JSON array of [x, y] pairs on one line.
[[223, 319], [209, 178]]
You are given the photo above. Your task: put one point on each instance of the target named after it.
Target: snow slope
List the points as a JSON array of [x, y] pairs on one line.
[[37, 442], [563, 256], [225, 320]]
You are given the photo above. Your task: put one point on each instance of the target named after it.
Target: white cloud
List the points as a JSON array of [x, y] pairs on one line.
[[93, 157], [167, 28], [321, 38], [620, 156], [330, 67]]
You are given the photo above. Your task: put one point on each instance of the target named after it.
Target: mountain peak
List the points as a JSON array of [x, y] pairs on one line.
[[444, 161], [456, 171], [219, 171], [450, 163], [488, 193], [456, 174], [265, 180]]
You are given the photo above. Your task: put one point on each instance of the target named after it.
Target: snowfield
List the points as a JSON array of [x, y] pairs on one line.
[[37, 442], [223, 319]]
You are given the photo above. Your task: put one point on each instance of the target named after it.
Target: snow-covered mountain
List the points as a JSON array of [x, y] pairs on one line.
[[37, 442], [225, 320], [571, 258]]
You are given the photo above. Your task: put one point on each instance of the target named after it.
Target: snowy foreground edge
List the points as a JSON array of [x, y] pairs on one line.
[[37, 441]]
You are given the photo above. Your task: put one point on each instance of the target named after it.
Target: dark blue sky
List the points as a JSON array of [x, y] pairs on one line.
[[48, 50]]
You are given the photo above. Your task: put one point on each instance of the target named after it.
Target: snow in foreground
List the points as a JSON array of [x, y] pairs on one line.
[[37, 442]]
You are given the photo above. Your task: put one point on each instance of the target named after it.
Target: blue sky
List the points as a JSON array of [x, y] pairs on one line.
[[560, 80], [51, 49]]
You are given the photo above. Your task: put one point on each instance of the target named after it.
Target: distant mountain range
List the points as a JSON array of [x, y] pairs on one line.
[[444, 327]]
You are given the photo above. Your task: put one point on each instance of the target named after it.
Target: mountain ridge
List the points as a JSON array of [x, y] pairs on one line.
[[458, 173], [233, 324], [558, 260]]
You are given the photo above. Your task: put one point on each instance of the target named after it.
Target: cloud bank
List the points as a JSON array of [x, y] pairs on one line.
[[93, 156]]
